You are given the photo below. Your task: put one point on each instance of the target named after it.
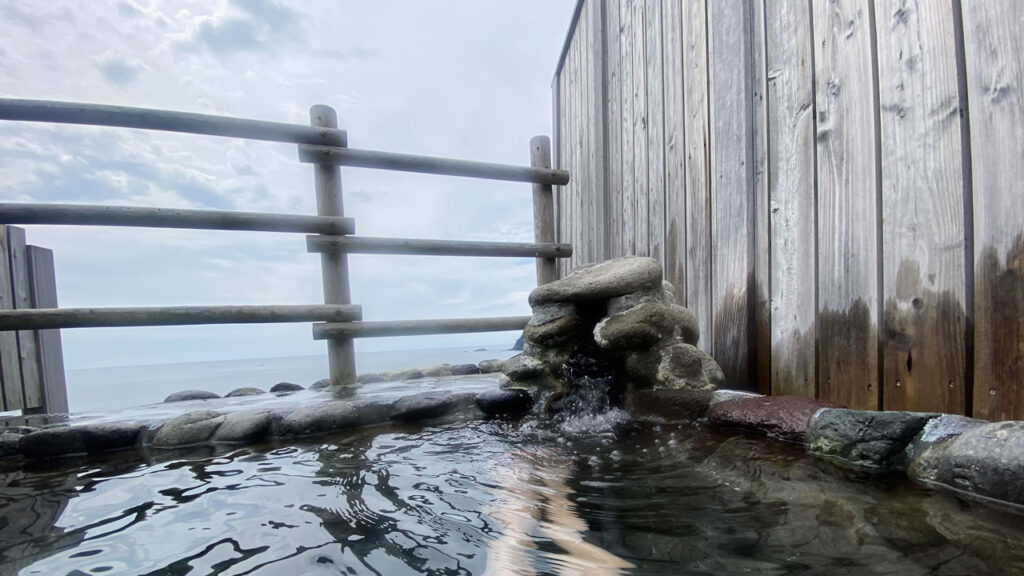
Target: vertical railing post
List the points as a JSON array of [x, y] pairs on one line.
[[327, 179], [543, 207]]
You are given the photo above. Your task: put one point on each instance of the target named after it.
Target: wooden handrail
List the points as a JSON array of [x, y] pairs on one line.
[[417, 247], [322, 331]]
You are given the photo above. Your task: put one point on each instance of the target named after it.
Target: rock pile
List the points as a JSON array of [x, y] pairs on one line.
[[622, 312]]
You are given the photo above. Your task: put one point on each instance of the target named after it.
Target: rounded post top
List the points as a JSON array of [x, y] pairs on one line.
[[323, 116]]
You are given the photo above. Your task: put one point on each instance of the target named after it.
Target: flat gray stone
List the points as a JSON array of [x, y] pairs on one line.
[[422, 406], [672, 405], [319, 418], [371, 378], [188, 429], [53, 442], [862, 438], [618, 304], [602, 281], [490, 366], [320, 384], [111, 436], [185, 395], [645, 325], [246, 426], [987, 459], [244, 391], [465, 369], [523, 367], [938, 430], [285, 387], [552, 324], [437, 371]]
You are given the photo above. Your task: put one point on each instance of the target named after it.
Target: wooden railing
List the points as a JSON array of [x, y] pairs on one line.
[[325, 146]]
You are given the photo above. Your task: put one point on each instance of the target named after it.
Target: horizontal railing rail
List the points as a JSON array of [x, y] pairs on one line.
[[417, 247], [95, 215], [49, 318], [430, 165], [417, 327], [167, 121]]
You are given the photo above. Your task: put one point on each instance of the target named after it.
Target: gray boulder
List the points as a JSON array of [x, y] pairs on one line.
[[685, 366], [862, 438], [601, 281], [437, 371], [422, 406], [185, 395], [246, 426], [507, 402], [644, 326], [986, 459], [244, 391], [465, 369], [320, 384], [491, 366], [523, 367], [285, 387], [552, 324], [319, 418], [188, 429]]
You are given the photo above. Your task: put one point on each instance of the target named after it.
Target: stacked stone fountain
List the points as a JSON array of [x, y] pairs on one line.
[[620, 313]]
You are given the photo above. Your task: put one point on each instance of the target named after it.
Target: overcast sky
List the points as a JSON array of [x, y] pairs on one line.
[[465, 79]]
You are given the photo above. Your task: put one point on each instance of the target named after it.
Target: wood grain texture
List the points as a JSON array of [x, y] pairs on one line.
[[544, 212], [10, 363], [613, 121], [675, 147], [417, 327], [641, 158], [654, 56], [732, 194], [21, 287], [792, 196], [598, 135], [762, 344], [993, 45], [847, 172], [922, 207], [628, 67], [423, 247], [51, 353], [697, 169]]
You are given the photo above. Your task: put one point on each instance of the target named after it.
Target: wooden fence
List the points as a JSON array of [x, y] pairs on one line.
[[833, 186], [31, 361], [326, 147]]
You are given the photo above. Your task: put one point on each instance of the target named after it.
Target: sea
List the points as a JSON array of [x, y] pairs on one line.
[[120, 387]]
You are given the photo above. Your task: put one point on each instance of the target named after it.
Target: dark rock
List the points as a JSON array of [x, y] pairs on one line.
[[245, 391], [247, 426], [682, 404], [371, 412], [189, 428], [482, 349], [465, 369], [9, 444], [319, 418], [372, 378], [786, 417], [619, 304], [939, 430], [108, 437], [601, 281], [985, 459], [523, 367], [411, 374], [645, 325], [437, 371], [422, 406], [508, 402], [320, 384], [551, 325], [53, 442], [191, 395], [285, 387], [518, 346], [685, 366], [862, 438]]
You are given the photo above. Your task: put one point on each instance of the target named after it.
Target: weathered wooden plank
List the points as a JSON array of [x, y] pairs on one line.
[[588, 196], [418, 247], [641, 160], [576, 131], [341, 356], [791, 186], [599, 134], [848, 224], [21, 288], [51, 353], [613, 127], [762, 344], [732, 197], [697, 168], [544, 213], [675, 148], [165, 120], [10, 363], [993, 45], [922, 208], [655, 56], [50, 318], [628, 69], [335, 156], [99, 215], [417, 327], [558, 122]]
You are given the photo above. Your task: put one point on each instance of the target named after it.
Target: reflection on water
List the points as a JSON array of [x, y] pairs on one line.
[[491, 497]]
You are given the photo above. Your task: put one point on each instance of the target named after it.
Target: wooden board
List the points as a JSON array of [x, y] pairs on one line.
[[21, 285], [732, 199], [847, 171], [792, 196], [51, 353], [641, 160], [697, 168], [613, 127], [762, 231], [597, 128], [675, 148], [654, 56], [993, 45], [922, 208], [10, 363], [628, 69]]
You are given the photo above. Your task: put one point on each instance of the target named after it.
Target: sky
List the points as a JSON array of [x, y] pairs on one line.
[[463, 79]]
